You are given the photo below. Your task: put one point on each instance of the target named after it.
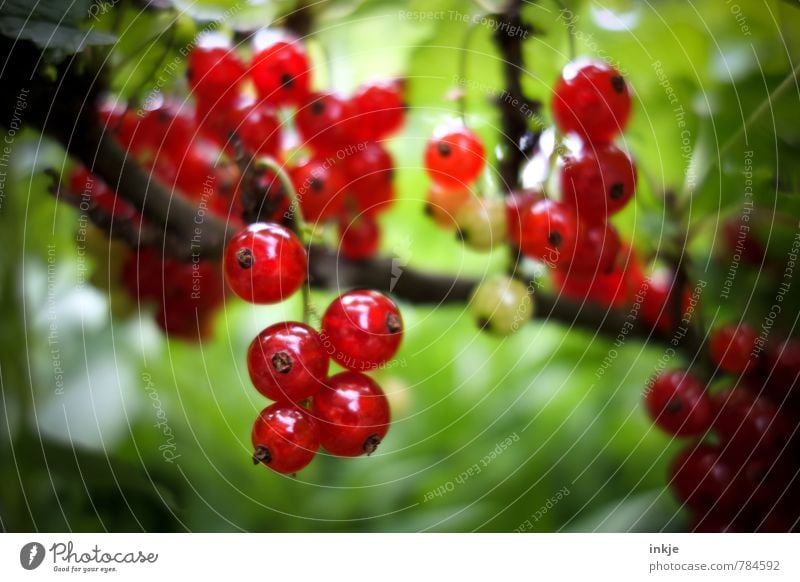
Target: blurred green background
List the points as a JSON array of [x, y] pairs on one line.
[[108, 426]]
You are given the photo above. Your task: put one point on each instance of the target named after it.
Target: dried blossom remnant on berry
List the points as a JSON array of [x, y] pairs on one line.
[[262, 455], [282, 362], [371, 444], [393, 323], [245, 258]]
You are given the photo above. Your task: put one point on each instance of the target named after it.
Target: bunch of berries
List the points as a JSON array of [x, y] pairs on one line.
[[738, 473]]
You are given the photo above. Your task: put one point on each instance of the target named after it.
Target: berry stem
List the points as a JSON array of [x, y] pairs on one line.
[[462, 71], [301, 227], [564, 6]]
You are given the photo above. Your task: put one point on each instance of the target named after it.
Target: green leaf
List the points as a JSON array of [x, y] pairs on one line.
[[51, 35]]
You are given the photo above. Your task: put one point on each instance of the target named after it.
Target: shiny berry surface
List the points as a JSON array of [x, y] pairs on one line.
[[597, 248], [326, 122], [597, 181], [701, 477], [379, 109], [353, 414], [592, 100], [549, 232], [319, 187], [265, 263], [287, 362], [280, 71], [360, 238], [369, 172], [749, 425], [215, 73], [677, 403], [364, 328], [285, 438], [454, 158], [257, 127], [732, 347]]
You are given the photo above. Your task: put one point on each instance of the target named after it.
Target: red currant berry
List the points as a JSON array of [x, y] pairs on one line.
[[265, 263], [257, 127], [369, 173], [596, 249], [739, 239], [319, 186], [549, 232], [701, 478], [517, 204], [287, 362], [215, 73], [280, 69], [597, 181], [360, 238], [364, 327], [732, 347], [326, 122], [783, 366], [749, 425], [353, 414], [380, 109], [454, 158], [678, 403], [285, 438], [591, 99]]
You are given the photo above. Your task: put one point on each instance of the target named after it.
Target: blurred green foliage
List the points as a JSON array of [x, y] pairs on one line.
[[93, 456]]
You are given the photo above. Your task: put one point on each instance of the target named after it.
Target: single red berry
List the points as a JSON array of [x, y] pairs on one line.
[[142, 275], [364, 328], [265, 263], [319, 186], [678, 403], [549, 232], [701, 478], [180, 321], [732, 347], [285, 438], [517, 205], [454, 158], [739, 239], [360, 237], [782, 365], [369, 172], [169, 128], [280, 69], [257, 127], [379, 109], [215, 73], [85, 186], [591, 99], [287, 362], [353, 414], [596, 249], [597, 181], [326, 123], [749, 425]]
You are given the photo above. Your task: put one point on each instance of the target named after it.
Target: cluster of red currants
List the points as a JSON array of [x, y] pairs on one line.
[[348, 413], [739, 472], [344, 173]]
